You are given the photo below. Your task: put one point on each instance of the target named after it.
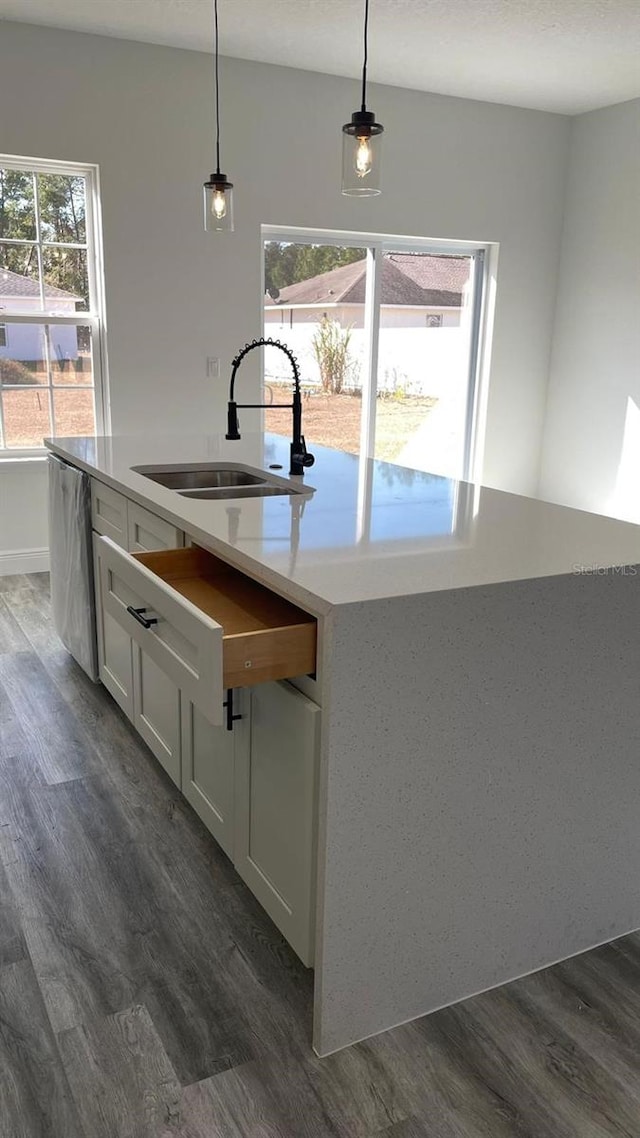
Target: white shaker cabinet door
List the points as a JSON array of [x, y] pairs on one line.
[[156, 702], [209, 755], [276, 808], [115, 667]]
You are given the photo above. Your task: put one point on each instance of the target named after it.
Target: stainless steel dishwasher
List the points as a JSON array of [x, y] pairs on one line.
[[71, 562]]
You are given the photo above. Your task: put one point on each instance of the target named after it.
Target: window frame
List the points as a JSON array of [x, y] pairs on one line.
[[484, 255], [93, 318]]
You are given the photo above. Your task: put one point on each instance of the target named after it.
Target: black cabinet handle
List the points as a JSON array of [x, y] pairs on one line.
[[137, 614], [228, 706]]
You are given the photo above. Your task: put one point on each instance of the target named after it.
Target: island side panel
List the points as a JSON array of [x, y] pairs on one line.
[[480, 799]]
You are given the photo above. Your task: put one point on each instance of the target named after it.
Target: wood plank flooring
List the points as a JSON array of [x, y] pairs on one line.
[[144, 993]]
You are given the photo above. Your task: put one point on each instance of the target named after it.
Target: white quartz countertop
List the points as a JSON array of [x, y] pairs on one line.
[[369, 530]]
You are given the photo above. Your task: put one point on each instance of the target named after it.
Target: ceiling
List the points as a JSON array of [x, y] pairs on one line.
[[554, 55]]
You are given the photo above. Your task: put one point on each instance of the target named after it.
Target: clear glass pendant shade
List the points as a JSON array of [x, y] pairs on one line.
[[361, 144], [218, 205]]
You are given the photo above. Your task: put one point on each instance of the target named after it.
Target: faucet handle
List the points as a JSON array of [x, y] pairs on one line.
[[233, 429], [306, 458]]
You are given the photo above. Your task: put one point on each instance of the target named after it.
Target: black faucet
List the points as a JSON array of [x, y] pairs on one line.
[[300, 456]]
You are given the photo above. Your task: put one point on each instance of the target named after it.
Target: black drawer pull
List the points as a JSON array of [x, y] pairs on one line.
[[228, 706], [145, 621]]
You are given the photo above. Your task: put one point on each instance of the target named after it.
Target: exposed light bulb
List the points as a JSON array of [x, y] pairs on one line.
[[219, 204], [363, 157]]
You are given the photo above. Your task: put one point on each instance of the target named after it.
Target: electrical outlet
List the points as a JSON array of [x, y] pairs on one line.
[[213, 367]]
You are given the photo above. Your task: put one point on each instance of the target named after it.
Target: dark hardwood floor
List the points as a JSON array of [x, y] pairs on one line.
[[144, 993]]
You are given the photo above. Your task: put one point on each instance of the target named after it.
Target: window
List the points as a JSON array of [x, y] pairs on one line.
[[386, 332], [51, 337]]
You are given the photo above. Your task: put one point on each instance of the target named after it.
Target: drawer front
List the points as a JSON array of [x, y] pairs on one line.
[[184, 642], [147, 531], [109, 513]]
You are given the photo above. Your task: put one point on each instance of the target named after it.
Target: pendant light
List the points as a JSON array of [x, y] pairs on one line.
[[218, 192], [361, 141]]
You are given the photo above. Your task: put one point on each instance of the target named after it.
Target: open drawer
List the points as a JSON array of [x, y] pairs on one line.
[[204, 623]]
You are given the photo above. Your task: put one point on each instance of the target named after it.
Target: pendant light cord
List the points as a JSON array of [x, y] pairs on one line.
[[217, 84], [366, 53]]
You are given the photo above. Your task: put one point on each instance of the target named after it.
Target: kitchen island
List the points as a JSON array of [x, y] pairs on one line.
[[475, 797]]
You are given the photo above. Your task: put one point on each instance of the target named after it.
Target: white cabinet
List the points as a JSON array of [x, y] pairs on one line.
[[145, 693], [255, 789], [141, 688], [156, 711], [177, 629], [206, 625], [115, 667], [129, 525], [183, 641], [276, 809], [146, 531], [209, 758], [109, 513]]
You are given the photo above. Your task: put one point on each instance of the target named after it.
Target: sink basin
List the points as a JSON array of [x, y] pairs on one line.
[[198, 476], [219, 480]]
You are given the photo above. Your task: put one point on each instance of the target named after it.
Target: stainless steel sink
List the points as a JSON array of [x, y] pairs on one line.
[[219, 480], [198, 477]]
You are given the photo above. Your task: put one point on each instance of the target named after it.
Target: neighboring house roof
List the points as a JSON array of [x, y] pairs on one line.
[[443, 278], [15, 284], [327, 288], [411, 279]]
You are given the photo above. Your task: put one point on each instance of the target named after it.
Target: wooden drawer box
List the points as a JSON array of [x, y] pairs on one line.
[[204, 623]]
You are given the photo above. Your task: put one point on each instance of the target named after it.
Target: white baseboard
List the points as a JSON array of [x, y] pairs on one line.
[[23, 561]]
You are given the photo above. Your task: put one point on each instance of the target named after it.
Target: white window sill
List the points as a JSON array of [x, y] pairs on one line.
[[18, 459]]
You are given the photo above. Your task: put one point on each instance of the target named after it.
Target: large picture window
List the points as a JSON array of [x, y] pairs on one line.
[[51, 346], [387, 334]]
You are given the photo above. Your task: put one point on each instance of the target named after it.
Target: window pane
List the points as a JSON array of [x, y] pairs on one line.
[[17, 205], [45, 268], [63, 212], [74, 412], [66, 284], [70, 354], [23, 357], [314, 303], [26, 418], [423, 361], [19, 281]]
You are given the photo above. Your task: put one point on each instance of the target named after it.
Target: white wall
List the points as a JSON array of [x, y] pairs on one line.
[[454, 169], [23, 516], [591, 455]]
